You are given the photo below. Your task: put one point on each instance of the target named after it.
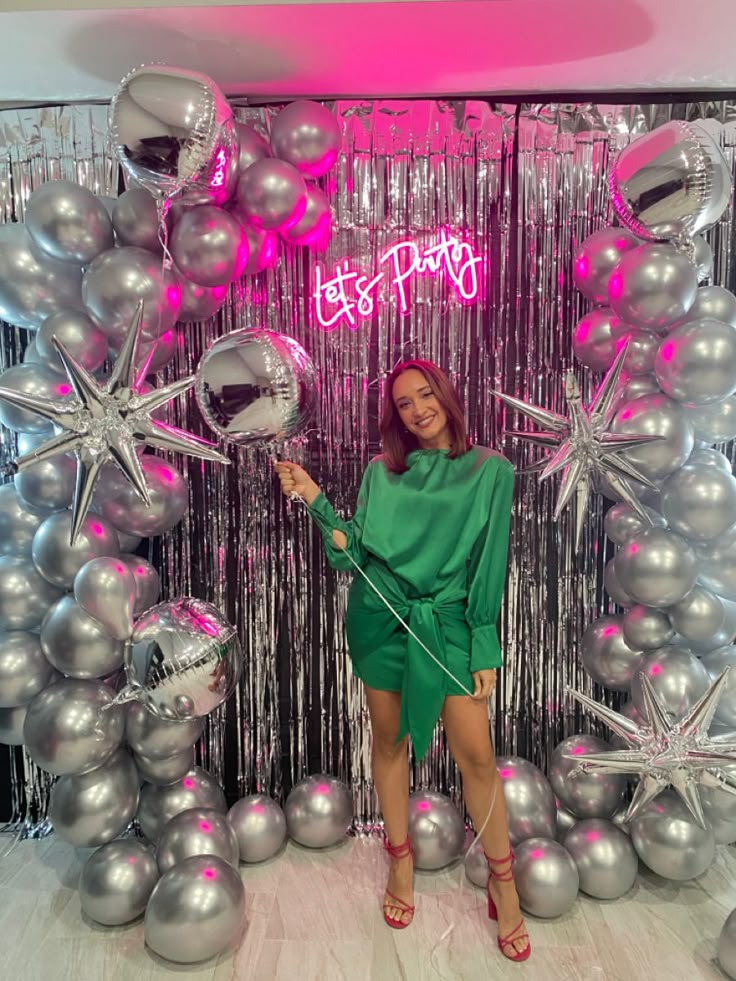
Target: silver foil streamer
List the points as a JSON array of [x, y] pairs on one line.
[[524, 184]]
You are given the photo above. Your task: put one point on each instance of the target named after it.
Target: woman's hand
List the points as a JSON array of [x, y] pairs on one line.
[[484, 682], [295, 480]]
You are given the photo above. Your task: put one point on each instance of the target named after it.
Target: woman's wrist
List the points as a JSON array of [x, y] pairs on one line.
[[311, 493]]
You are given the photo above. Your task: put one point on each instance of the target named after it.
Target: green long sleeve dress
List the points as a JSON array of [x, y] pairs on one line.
[[434, 541]]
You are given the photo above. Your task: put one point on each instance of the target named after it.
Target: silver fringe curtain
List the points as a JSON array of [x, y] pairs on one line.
[[524, 184]]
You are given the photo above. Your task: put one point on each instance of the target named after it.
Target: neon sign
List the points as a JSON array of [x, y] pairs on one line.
[[218, 176], [348, 296]]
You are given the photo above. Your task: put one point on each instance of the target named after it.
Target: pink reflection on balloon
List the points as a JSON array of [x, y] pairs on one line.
[[64, 388], [96, 528], [323, 788], [633, 548], [132, 860], [188, 783], [577, 751], [615, 286], [537, 853], [610, 631], [205, 826], [655, 669], [582, 267], [593, 835], [258, 808], [667, 351], [505, 772], [424, 805], [209, 873]]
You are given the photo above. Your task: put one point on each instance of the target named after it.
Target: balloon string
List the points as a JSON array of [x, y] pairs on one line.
[[167, 261]]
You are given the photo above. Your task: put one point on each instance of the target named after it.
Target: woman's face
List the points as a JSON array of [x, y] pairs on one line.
[[420, 410]]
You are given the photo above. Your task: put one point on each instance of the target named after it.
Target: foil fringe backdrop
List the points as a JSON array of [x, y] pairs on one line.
[[525, 184]]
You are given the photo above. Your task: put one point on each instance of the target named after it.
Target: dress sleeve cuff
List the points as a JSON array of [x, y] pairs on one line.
[[485, 650], [324, 514]]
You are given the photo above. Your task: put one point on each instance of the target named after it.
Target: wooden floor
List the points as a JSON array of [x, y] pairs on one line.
[[316, 915]]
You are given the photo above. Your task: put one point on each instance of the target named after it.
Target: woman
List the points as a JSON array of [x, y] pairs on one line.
[[431, 534]]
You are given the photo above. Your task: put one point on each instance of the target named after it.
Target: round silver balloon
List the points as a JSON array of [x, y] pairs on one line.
[[436, 829], [25, 596], [38, 382], [57, 560], [11, 725], [318, 811], [167, 771], [634, 387], [198, 831], [263, 247], [259, 825], [105, 589], [719, 807], [476, 867], [73, 727], [90, 809], [122, 507], [209, 246], [272, 194], [673, 181], [629, 711], [722, 638], [594, 338], [49, 484], [19, 522], [136, 221], [717, 567], [677, 676], [656, 415], [613, 587], [595, 260], [586, 795], [646, 629], [200, 302], [24, 671], [308, 135], [703, 258], [653, 286], [657, 567], [566, 821], [255, 385], [68, 222], [546, 878], [530, 803], [158, 805], [196, 910], [699, 616], [605, 858], [252, 146], [669, 840], [714, 663], [727, 946], [713, 303], [641, 351], [607, 655], [117, 881], [79, 335], [714, 423], [696, 362], [147, 582], [155, 738], [705, 456], [314, 228], [77, 645]]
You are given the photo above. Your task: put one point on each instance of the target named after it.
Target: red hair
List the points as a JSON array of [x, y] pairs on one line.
[[396, 441]]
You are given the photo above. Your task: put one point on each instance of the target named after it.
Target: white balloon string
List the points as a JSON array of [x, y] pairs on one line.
[[167, 261]]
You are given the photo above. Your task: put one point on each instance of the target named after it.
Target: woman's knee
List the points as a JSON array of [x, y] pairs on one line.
[[386, 746], [477, 762]]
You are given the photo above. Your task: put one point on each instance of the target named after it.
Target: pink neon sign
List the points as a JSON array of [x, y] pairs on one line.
[[347, 295]]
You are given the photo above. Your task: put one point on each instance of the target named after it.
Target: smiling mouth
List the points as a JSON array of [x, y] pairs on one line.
[[424, 423]]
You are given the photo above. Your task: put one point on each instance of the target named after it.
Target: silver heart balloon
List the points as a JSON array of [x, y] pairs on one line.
[[198, 831], [117, 881]]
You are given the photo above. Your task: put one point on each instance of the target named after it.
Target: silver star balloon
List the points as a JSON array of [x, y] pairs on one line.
[[664, 752], [108, 422], [585, 449]]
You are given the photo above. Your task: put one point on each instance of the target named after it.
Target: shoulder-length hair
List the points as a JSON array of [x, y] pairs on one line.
[[397, 442]]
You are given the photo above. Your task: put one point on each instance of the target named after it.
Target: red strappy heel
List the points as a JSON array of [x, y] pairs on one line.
[[397, 852], [506, 943]]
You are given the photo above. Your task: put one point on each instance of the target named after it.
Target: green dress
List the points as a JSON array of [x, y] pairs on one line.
[[434, 541]]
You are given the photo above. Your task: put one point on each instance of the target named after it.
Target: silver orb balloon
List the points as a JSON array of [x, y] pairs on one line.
[[198, 831], [136, 221], [594, 340], [646, 629], [252, 146], [90, 809], [68, 222], [436, 829], [634, 388], [546, 878], [37, 381], [703, 258], [147, 582], [158, 805], [82, 339], [25, 596], [613, 587], [566, 821], [530, 803], [727, 946], [657, 568], [166, 771], [105, 590], [586, 795], [318, 811], [714, 423], [196, 909], [696, 362], [119, 503], [24, 671], [706, 456], [209, 246], [73, 727], [48, 484], [263, 248], [11, 725], [595, 260], [255, 385], [605, 858], [314, 228], [641, 351], [117, 881], [272, 194], [622, 522], [656, 415], [308, 135], [57, 560], [713, 303], [77, 645], [669, 840], [476, 867], [200, 302], [723, 637], [652, 286], [719, 807], [607, 655], [717, 567], [19, 522], [259, 825], [677, 676], [699, 616], [714, 663], [155, 738]]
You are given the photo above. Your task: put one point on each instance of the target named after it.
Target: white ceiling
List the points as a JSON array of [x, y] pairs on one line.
[[53, 53]]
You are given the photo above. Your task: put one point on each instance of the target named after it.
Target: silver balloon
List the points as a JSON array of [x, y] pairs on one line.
[[669, 840], [105, 590], [146, 580], [117, 881], [308, 135], [594, 338], [196, 909], [719, 807], [136, 221], [436, 829], [90, 809], [699, 616], [605, 858], [613, 587], [73, 727], [646, 629], [476, 867], [652, 286], [37, 381], [24, 671], [128, 543], [696, 362], [200, 302], [198, 831], [318, 811], [715, 423], [607, 655], [718, 568], [713, 303], [259, 825], [314, 228], [68, 222], [699, 503], [252, 146], [19, 522], [78, 334], [48, 484], [530, 803], [165, 772], [656, 415], [11, 725], [272, 194], [727, 946], [676, 675], [714, 663], [25, 596], [209, 246], [119, 503], [158, 805], [566, 821], [156, 739], [641, 351], [57, 560], [33, 286], [703, 258], [622, 522], [161, 352], [595, 260], [263, 248], [705, 456], [634, 387], [586, 795], [546, 878], [722, 638], [118, 280], [656, 567], [77, 645], [674, 181], [254, 385]]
